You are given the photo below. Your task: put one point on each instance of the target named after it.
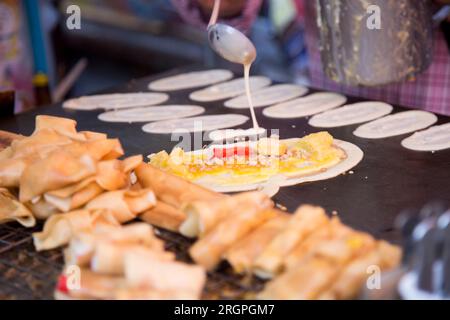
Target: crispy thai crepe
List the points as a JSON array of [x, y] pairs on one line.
[[11, 170], [209, 250], [82, 246], [148, 269], [60, 169], [203, 216], [306, 282], [164, 216], [146, 278], [108, 258], [39, 144], [171, 189], [53, 135], [242, 255], [111, 175], [41, 209], [304, 221], [348, 283], [317, 271], [12, 210], [63, 126], [60, 228], [104, 250], [126, 263], [124, 204], [329, 231]]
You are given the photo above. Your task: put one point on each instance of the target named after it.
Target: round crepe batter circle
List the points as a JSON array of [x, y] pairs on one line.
[[116, 101], [190, 80], [396, 124], [354, 156], [229, 89], [154, 113], [196, 124], [351, 114], [433, 139], [305, 106], [267, 96]]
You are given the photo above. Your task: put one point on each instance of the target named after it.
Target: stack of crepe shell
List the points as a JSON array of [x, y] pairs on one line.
[[77, 184], [305, 255]]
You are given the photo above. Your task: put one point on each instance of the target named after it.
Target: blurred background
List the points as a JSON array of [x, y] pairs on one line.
[[120, 40]]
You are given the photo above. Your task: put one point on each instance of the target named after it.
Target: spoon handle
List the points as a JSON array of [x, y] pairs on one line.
[[215, 13]]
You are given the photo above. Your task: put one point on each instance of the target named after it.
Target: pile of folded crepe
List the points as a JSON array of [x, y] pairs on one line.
[[77, 184], [305, 255]]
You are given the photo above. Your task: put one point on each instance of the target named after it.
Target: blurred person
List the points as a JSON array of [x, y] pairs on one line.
[[15, 62], [430, 90]]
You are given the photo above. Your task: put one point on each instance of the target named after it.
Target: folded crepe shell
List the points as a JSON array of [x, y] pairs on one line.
[[91, 135], [60, 228], [115, 174], [304, 221], [12, 210], [334, 229], [60, 169], [330, 258], [76, 200], [125, 204], [106, 287], [109, 258], [97, 149], [111, 175], [91, 286], [63, 126], [149, 270], [7, 138], [83, 246], [39, 144], [164, 216], [5, 153], [202, 216], [209, 250], [11, 170], [42, 209], [306, 282], [350, 282], [171, 189], [242, 255]]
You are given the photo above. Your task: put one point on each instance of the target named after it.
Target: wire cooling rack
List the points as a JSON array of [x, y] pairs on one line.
[[27, 274]]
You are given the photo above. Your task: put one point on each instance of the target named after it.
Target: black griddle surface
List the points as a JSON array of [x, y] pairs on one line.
[[389, 179]]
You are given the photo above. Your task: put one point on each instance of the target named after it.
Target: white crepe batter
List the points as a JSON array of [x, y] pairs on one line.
[[305, 106], [267, 96], [155, 113], [191, 80], [196, 124], [116, 101], [433, 139], [396, 124], [351, 114], [229, 89]]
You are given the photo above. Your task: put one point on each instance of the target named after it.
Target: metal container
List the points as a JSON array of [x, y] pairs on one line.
[[357, 51]]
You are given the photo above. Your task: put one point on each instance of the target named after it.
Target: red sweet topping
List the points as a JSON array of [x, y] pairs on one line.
[[229, 152], [62, 284]]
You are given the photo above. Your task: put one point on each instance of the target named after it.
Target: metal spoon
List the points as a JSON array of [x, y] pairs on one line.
[[231, 44]]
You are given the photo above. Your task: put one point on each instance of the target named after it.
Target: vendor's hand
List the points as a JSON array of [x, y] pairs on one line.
[[228, 8]]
